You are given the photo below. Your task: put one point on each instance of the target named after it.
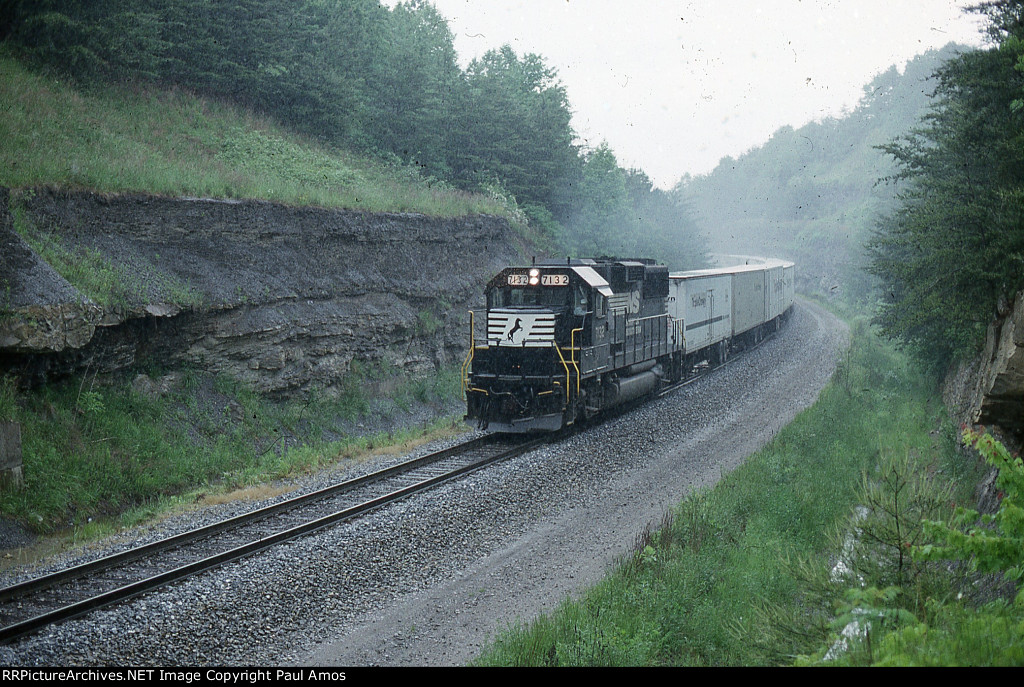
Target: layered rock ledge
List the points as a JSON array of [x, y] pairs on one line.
[[989, 390], [282, 297]]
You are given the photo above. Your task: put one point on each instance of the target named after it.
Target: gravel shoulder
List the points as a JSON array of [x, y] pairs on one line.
[[429, 580]]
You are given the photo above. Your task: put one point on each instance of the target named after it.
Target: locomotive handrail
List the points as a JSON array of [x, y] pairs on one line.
[[469, 356], [572, 342], [644, 344], [567, 373]]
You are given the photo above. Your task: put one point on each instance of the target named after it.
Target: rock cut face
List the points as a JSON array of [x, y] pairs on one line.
[[1000, 393], [282, 297], [989, 390]]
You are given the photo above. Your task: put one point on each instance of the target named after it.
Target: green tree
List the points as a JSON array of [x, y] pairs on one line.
[[102, 39], [602, 225], [515, 128], [620, 212], [992, 543], [421, 88], [304, 63], [956, 242], [664, 230]]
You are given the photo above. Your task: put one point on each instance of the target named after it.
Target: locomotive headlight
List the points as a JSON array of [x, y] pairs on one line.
[[534, 277]]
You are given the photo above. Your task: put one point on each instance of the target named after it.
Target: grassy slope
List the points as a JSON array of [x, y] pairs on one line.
[[119, 450], [173, 143], [740, 575]]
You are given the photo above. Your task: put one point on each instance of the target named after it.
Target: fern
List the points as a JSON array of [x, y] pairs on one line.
[[991, 543]]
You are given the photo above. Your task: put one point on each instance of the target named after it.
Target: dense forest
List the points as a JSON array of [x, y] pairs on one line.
[[954, 245], [913, 201], [356, 75], [814, 193]]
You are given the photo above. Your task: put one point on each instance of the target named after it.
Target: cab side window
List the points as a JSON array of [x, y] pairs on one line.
[[580, 300]]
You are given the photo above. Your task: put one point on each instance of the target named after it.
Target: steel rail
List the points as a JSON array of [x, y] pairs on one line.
[[13, 593]]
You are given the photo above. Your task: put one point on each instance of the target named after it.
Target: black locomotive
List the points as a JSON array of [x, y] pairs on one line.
[[565, 341], [568, 340]]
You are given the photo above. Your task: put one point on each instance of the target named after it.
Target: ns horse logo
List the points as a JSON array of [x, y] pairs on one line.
[[520, 329], [518, 326]]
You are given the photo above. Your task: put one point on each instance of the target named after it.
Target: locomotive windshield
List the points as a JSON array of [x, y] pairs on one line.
[[528, 296]]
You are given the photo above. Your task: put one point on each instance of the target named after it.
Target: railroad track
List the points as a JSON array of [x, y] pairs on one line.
[[34, 604]]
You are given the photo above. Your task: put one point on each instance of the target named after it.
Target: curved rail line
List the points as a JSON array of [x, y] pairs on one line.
[[34, 604]]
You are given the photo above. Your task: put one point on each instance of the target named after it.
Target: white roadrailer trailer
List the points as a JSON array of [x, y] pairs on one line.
[[744, 296], [773, 291], [700, 303], [789, 284]]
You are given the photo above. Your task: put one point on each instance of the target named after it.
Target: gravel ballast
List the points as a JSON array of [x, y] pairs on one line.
[[428, 580]]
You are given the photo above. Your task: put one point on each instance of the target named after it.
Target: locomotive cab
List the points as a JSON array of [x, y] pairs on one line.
[[564, 341]]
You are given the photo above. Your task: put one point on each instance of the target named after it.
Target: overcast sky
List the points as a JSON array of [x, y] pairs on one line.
[[675, 85]]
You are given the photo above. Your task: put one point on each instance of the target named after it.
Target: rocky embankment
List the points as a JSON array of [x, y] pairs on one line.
[[989, 390], [282, 297]]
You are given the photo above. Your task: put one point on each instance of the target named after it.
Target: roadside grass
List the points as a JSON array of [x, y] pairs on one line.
[[956, 599], [740, 574], [170, 142], [104, 452]]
